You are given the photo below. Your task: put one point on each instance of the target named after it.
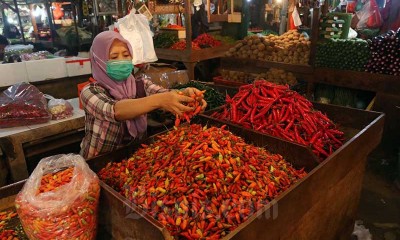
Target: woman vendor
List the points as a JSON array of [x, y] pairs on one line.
[[116, 103]]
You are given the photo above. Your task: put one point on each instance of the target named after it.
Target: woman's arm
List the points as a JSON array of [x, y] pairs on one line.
[[152, 88], [171, 101]]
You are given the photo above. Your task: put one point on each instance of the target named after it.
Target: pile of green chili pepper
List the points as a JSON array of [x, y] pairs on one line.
[[213, 98], [165, 40], [276, 110], [199, 182]]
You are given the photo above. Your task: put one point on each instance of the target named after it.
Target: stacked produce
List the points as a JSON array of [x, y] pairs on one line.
[[278, 76], [276, 110], [165, 40], [60, 202], [201, 182], [202, 41], [291, 47], [181, 45], [237, 76], [348, 54], [385, 51], [213, 98], [331, 27], [174, 26], [207, 41]]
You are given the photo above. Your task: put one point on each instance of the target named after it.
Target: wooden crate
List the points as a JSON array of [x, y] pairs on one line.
[[322, 205]]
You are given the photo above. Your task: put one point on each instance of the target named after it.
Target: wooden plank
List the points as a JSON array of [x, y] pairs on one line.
[[194, 56], [166, 9], [255, 64], [218, 18], [358, 80], [314, 36]]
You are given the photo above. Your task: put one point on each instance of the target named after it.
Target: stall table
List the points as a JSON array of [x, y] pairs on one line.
[[14, 140]]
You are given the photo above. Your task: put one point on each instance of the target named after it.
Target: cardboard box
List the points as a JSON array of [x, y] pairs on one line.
[[12, 73], [77, 66], [40, 70]]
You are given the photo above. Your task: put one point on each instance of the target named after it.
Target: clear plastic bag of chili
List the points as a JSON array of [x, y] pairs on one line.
[[22, 104], [60, 199], [59, 108]]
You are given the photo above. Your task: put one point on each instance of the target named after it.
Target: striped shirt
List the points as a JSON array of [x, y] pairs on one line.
[[103, 133]]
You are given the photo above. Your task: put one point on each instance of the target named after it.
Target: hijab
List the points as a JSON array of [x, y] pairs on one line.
[[99, 55]]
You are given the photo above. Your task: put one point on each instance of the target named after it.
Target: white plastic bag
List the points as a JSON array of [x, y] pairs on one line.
[[352, 34], [135, 28], [66, 212], [59, 108]]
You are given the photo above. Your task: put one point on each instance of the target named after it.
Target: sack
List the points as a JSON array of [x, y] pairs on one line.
[[369, 16], [22, 104], [60, 199], [59, 108], [165, 75], [136, 30]]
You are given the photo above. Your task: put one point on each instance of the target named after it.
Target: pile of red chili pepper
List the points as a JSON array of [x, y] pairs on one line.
[[174, 26], [181, 45], [5, 218], [75, 221], [205, 41], [278, 111], [200, 182], [196, 105]]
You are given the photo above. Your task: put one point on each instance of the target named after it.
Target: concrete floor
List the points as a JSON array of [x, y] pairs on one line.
[[380, 199]]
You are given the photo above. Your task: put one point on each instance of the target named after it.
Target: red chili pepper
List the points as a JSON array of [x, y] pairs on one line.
[[203, 202], [278, 104]]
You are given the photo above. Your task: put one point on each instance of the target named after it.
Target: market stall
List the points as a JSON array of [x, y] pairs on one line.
[[122, 219]]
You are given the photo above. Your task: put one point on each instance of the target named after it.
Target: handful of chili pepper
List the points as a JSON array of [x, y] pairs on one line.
[[276, 110], [196, 105], [202, 182], [213, 98], [74, 221]]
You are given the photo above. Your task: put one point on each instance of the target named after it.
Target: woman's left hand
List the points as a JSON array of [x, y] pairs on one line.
[[194, 91]]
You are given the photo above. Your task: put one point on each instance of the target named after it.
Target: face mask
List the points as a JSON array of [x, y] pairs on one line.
[[119, 70]]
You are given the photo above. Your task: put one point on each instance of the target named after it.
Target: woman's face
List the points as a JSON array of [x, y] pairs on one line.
[[119, 51]]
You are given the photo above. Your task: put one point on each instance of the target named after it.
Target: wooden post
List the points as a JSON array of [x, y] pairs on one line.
[[188, 26], [209, 10], [33, 19], [314, 35], [19, 20]]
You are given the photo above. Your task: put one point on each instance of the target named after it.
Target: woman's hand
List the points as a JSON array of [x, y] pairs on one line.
[[199, 96], [172, 102]]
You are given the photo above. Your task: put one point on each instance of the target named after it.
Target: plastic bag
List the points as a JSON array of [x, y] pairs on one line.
[[166, 77], [60, 199], [22, 104], [136, 30], [59, 108], [369, 16]]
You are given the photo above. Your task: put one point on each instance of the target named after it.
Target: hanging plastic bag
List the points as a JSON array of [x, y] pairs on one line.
[[296, 17], [369, 16], [60, 199], [59, 108], [135, 28], [22, 104]]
